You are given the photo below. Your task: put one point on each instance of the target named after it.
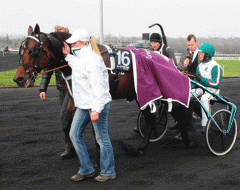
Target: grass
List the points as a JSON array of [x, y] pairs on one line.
[[231, 68], [6, 79]]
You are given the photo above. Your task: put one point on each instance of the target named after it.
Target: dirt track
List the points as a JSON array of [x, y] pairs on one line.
[[8, 62], [31, 142]]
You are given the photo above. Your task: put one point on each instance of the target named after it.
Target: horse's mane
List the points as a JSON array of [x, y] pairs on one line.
[[61, 36], [56, 39]]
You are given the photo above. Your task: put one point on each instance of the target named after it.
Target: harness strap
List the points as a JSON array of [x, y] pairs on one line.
[[186, 73], [34, 38], [112, 58], [169, 104], [67, 79], [152, 106]]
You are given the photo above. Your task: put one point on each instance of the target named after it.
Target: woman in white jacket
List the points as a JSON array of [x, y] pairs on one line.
[[91, 97]]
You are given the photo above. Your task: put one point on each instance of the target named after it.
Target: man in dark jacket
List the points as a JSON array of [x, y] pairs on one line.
[[64, 99], [189, 62], [46, 80], [161, 48]]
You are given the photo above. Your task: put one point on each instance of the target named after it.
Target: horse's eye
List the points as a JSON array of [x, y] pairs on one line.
[[30, 52]]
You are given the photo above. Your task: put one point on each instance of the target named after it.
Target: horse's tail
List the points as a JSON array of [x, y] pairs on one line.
[[94, 46]]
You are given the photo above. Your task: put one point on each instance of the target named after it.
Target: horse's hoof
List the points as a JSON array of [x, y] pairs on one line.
[[135, 129], [178, 137], [95, 165], [189, 145], [140, 152], [131, 151], [67, 154]]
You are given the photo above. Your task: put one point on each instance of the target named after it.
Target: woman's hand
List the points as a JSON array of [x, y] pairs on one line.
[[65, 49], [94, 116]]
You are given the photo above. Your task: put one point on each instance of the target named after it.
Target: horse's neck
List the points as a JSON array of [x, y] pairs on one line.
[[55, 64], [55, 47], [67, 71], [103, 50], [56, 40]]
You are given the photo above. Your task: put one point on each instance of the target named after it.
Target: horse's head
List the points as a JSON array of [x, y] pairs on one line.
[[34, 56]]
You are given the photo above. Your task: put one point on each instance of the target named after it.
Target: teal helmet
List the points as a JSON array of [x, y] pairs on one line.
[[207, 49]]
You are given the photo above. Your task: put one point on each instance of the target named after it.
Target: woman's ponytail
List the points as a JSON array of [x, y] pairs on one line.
[[94, 46]]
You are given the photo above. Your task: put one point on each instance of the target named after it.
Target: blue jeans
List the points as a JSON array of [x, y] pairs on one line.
[[80, 121]]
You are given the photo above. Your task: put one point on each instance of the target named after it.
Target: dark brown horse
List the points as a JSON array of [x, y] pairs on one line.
[[40, 49]]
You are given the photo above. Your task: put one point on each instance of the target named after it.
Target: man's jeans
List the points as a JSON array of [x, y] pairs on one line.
[[80, 121]]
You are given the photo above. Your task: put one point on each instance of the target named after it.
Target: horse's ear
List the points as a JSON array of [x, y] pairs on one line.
[[37, 29], [30, 29]]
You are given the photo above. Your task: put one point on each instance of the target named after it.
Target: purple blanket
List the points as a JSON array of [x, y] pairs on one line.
[[156, 76]]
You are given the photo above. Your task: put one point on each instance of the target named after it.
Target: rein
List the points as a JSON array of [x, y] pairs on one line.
[[61, 66], [52, 70], [186, 73]]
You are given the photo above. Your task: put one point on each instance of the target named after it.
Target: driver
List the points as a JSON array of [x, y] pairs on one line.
[[161, 48], [209, 74], [64, 97]]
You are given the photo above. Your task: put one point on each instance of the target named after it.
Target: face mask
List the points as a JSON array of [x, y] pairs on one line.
[[74, 49]]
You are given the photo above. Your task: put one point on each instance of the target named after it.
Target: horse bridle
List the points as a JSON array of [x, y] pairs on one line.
[[35, 52]]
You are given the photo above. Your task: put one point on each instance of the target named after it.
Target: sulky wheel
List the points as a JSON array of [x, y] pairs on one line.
[[218, 142], [160, 128]]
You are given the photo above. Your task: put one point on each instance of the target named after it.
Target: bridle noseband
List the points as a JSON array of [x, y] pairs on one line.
[[35, 53]]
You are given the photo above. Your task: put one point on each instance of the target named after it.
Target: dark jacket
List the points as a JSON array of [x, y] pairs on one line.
[[167, 51], [46, 80], [192, 67]]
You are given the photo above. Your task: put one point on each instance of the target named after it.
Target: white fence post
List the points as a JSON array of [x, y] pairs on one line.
[[223, 70]]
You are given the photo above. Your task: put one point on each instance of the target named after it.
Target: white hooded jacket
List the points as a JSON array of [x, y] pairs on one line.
[[90, 81]]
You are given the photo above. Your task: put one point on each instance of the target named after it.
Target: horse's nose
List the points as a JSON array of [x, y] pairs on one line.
[[18, 79]]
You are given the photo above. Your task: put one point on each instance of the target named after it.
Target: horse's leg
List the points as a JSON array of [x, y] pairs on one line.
[[96, 160], [62, 94], [151, 123], [195, 107], [183, 117], [136, 149]]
